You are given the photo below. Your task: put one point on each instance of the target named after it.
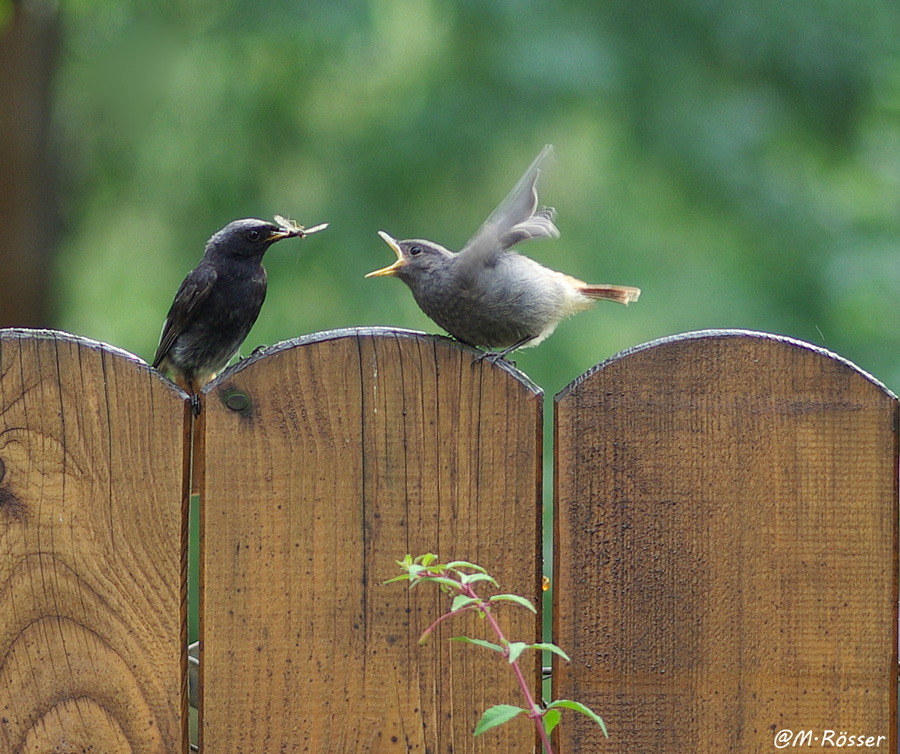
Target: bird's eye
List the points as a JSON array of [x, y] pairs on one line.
[[415, 250], [253, 235]]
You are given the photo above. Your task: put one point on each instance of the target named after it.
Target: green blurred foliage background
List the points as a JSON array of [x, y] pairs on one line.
[[738, 162]]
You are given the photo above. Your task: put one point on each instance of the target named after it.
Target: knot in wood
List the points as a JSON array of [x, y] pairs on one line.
[[237, 401]]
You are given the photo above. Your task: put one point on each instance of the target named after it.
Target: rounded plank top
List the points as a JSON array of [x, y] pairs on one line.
[[93, 460], [441, 343], [726, 560], [325, 460], [665, 345]]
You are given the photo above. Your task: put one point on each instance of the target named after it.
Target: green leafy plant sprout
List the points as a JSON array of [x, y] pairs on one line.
[[459, 578]]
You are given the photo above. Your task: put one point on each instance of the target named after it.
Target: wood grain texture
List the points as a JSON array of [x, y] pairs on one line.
[[726, 547], [92, 463], [326, 460]]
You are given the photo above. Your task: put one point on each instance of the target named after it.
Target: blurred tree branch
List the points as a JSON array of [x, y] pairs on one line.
[[28, 211]]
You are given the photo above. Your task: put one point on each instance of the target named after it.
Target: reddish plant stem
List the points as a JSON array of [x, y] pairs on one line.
[[534, 711], [430, 630]]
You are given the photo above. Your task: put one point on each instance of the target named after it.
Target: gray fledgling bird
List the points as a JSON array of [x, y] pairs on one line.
[[488, 295], [219, 301]]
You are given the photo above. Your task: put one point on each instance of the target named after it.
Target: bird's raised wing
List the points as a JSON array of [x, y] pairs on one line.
[[193, 292], [515, 219]]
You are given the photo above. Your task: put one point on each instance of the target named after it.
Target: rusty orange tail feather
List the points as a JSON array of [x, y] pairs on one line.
[[624, 294]]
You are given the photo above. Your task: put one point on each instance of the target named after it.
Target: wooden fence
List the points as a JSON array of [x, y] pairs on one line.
[[725, 563]]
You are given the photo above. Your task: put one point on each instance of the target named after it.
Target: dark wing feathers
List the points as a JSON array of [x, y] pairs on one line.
[[193, 292]]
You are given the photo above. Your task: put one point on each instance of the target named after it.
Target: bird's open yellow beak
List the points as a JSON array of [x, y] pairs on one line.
[[390, 270]]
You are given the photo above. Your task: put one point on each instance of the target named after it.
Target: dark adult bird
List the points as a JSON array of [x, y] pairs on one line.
[[487, 295], [219, 301]]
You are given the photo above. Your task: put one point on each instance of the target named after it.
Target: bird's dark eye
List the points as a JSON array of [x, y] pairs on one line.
[[253, 235], [415, 250]]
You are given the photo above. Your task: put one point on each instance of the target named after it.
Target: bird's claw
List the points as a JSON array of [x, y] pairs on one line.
[[493, 357]]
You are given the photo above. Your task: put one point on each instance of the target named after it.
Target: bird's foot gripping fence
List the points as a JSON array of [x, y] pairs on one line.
[[725, 549]]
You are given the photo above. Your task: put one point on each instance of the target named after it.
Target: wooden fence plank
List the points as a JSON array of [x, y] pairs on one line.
[[727, 548], [92, 469], [325, 460]]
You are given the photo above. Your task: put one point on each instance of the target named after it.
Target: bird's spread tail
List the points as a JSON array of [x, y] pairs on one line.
[[624, 294]]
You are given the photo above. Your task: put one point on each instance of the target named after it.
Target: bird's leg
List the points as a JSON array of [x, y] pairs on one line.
[[195, 399], [495, 356], [481, 353]]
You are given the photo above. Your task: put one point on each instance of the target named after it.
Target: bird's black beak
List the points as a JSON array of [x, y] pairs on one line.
[[277, 235], [392, 269]]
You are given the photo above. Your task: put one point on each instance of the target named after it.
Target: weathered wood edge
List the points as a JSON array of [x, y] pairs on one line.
[[24, 333], [47, 334], [715, 334], [12, 334], [439, 341], [395, 342], [735, 333]]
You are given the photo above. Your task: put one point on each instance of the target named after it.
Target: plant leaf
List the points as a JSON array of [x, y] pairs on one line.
[[466, 564], [547, 647], [515, 649], [583, 709], [471, 578], [513, 598], [551, 720], [478, 642], [443, 580], [460, 601], [414, 570], [496, 715]]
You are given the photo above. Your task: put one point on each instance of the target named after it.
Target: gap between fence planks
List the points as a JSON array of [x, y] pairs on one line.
[[92, 513], [325, 460], [726, 547]]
